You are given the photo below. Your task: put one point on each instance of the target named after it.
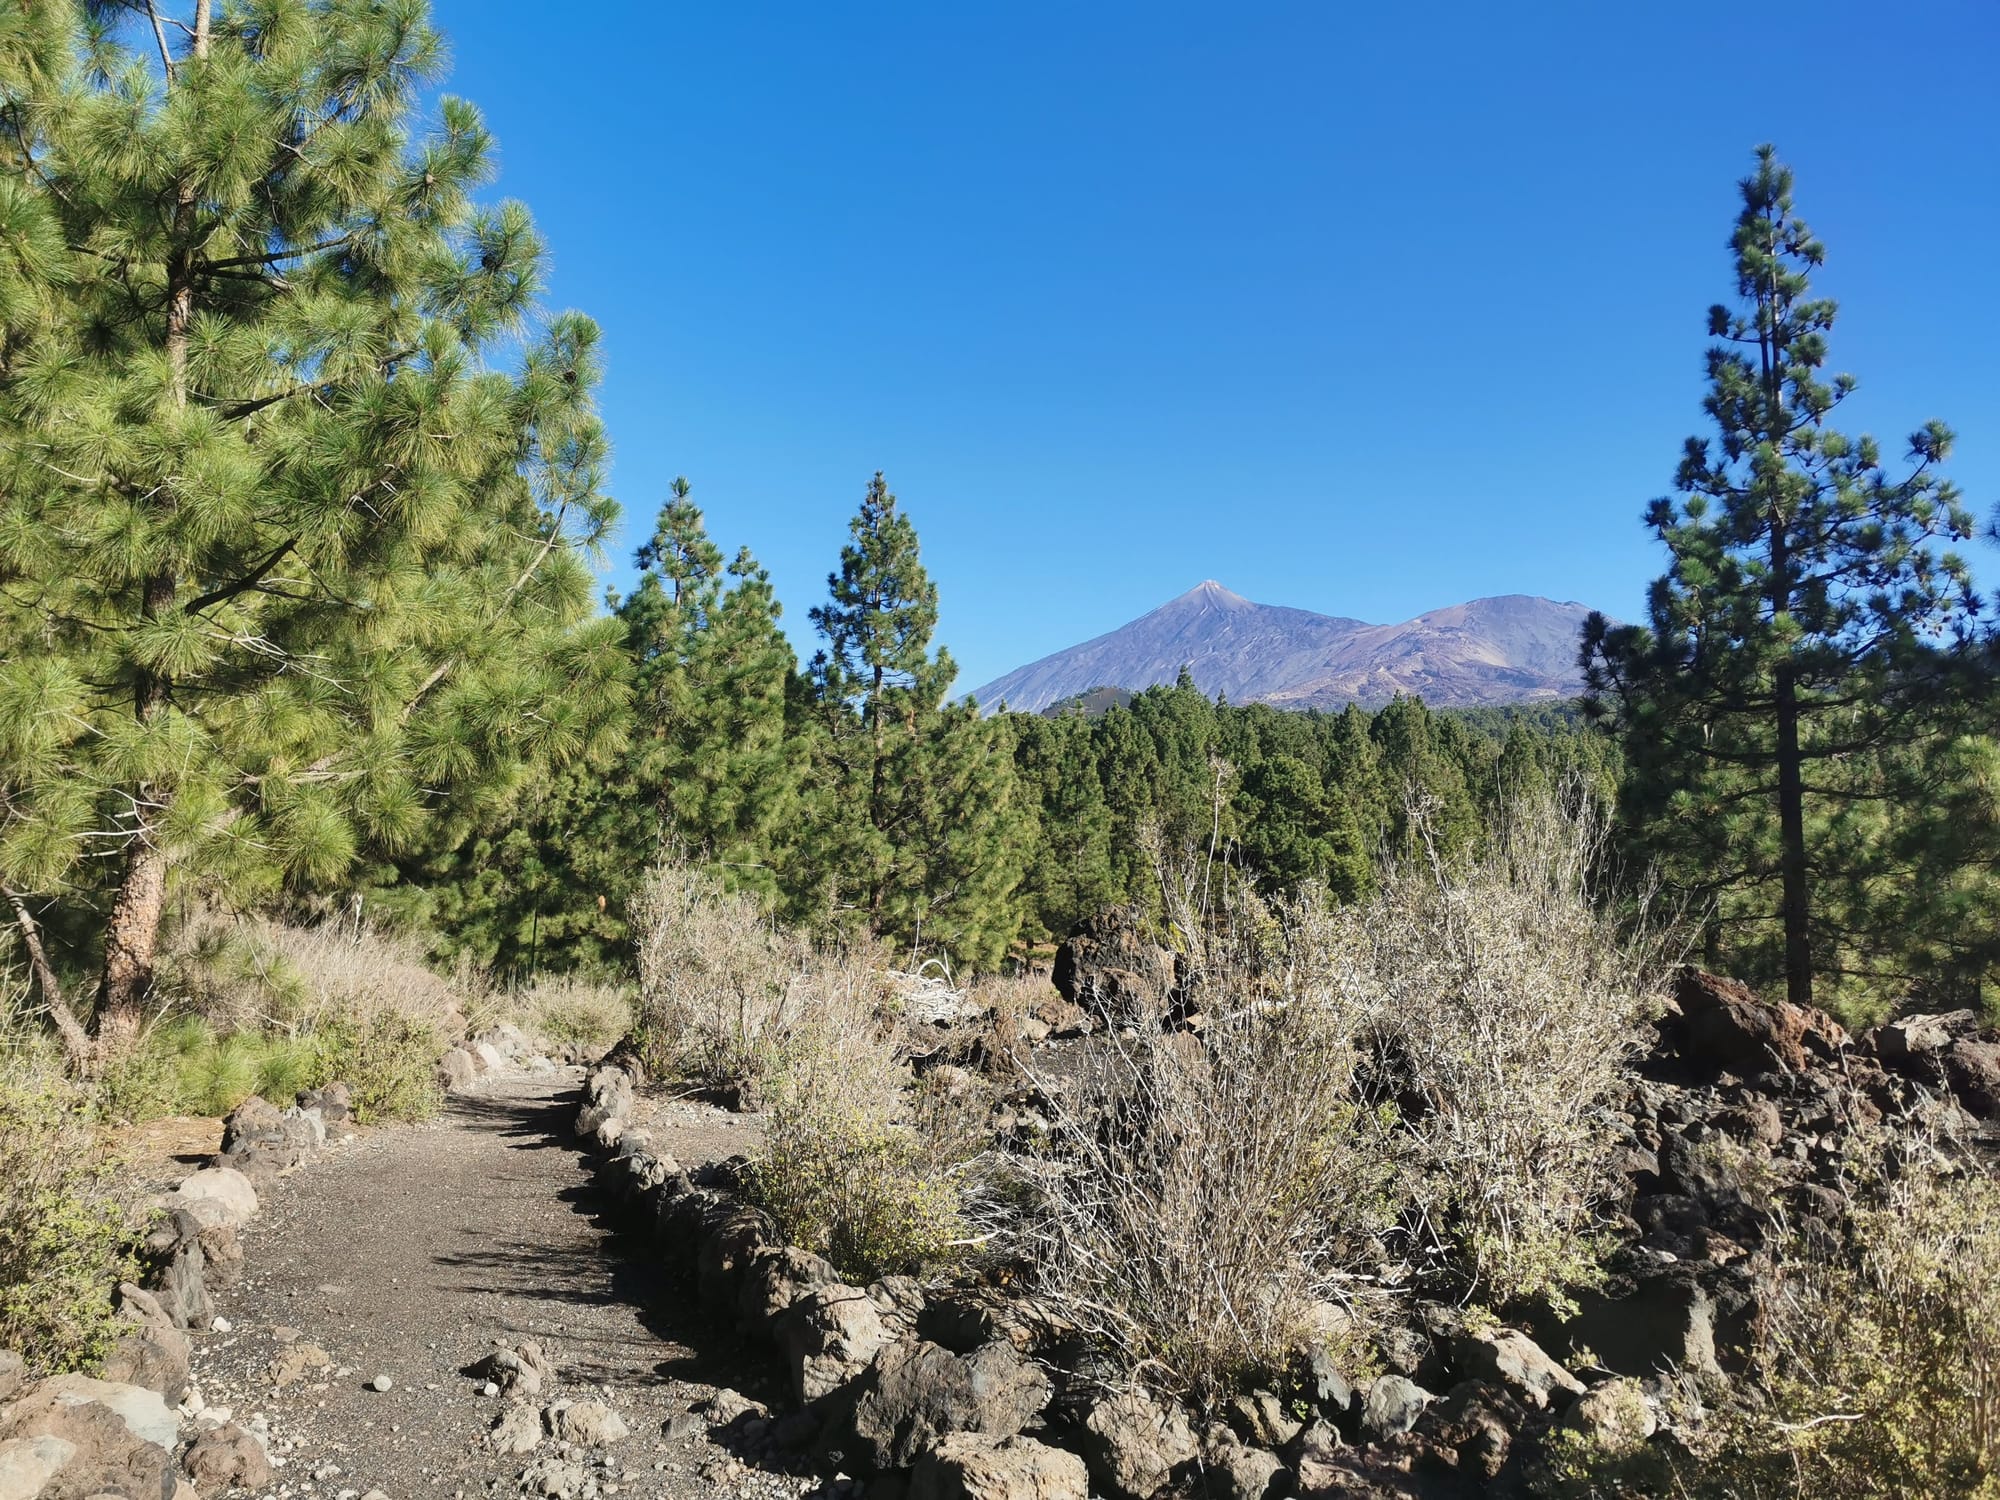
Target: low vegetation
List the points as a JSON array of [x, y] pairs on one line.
[[64, 1243]]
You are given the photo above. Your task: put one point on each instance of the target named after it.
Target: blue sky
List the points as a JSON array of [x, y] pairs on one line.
[[1365, 309]]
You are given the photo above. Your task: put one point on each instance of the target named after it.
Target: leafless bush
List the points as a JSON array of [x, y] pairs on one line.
[[726, 994], [1197, 1200], [1428, 1071], [1507, 1005]]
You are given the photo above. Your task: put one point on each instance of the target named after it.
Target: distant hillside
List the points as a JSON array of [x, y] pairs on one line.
[[1511, 649]]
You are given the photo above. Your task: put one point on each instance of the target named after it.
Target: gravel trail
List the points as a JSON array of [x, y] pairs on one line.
[[406, 1254]]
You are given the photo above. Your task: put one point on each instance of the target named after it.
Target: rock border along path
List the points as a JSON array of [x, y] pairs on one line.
[[404, 1260]]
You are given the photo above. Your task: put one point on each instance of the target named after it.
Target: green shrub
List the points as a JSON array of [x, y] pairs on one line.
[[64, 1245], [1883, 1357], [388, 1061], [844, 1176]]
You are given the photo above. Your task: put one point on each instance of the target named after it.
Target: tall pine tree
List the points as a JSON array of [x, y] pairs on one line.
[[282, 555], [917, 833], [1802, 623]]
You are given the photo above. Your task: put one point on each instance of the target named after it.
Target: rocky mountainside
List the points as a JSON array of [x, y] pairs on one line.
[[1510, 649]]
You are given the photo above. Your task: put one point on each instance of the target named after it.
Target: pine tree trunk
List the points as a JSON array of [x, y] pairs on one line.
[[132, 935], [1796, 906]]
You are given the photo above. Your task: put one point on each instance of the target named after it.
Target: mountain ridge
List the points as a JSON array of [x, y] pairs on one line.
[[1506, 648]]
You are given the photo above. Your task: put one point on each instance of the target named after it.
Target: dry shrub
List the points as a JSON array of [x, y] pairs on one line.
[[64, 1246], [260, 1006], [1507, 1005], [1007, 1003], [731, 1001], [727, 995], [849, 1169], [1424, 1077], [251, 972], [1883, 1356], [1199, 1201], [571, 1010]]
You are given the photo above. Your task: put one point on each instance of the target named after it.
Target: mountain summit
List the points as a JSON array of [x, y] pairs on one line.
[[1510, 649]]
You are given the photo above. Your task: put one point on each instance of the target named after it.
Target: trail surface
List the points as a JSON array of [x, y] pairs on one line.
[[407, 1253]]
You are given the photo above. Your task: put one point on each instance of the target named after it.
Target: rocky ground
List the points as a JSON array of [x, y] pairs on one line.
[[411, 1256], [441, 1310]]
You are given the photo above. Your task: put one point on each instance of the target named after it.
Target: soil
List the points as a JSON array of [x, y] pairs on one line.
[[408, 1252]]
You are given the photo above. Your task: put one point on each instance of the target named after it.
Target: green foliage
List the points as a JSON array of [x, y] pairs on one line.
[[842, 1180], [1801, 652], [1289, 798], [64, 1245], [291, 565], [915, 832], [389, 1061]]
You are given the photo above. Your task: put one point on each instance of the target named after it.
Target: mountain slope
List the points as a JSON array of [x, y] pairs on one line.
[[1511, 649]]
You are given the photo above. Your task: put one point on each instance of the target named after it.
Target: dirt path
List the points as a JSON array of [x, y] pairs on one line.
[[407, 1253]]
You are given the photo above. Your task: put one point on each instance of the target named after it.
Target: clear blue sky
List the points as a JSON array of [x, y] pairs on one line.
[[1366, 309]]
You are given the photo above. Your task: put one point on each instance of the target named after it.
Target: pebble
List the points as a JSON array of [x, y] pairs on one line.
[[222, 1325], [381, 1383], [489, 1389]]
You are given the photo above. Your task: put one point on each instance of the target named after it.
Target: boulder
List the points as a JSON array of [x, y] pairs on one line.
[[1132, 1444], [1659, 1319], [294, 1362], [1316, 1458], [588, 1424], [1393, 1404], [1233, 1471], [177, 1271], [227, 1458], [915, 1393], [456, 1071], [1909, 1039], [152, 1352], [1613, 1417], [1263, 1421], [335, 1102], [726, 1249], [120, 1437], [1108, 967], [1972, 1071], [973, 1466], [226, 1187], [1728, 1026], [27, 1465], [13, 1373], [607, 1095], [1476, 1421], [518, 1431], [488, 1057], [828, 1337], [775, 1277], [520, 1369], [1508, 1358]]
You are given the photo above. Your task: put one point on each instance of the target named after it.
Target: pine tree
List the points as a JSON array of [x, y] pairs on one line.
[[712, 753], [916, 830], [1798, 625], [282, 556]]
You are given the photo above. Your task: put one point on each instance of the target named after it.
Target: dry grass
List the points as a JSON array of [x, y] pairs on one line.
[[727, 996], [1196, 1200], [252, 972], [565, 1011]]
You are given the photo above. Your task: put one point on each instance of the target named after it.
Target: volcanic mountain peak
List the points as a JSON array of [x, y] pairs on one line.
[[1509, 649]]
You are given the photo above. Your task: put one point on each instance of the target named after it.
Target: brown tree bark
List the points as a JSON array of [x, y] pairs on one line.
[[132, 935]]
